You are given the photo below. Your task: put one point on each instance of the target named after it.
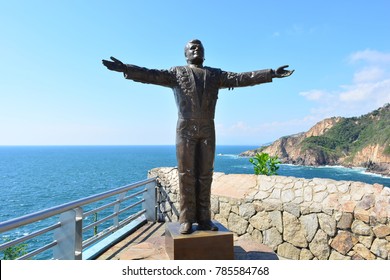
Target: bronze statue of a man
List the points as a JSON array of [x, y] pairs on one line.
[[196, 92]]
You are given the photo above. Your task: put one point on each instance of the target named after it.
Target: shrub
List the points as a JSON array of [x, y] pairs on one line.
[[14, 252], [264, 164]]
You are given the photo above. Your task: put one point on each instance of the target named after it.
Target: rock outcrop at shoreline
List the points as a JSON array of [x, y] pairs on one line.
[[352, 142]]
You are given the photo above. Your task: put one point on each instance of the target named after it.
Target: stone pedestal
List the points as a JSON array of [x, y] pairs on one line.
[[199, 245]]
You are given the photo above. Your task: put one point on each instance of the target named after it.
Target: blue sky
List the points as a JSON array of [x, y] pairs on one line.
[[55, 91]]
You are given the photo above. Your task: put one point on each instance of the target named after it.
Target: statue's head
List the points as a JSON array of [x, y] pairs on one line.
[[194, 52]]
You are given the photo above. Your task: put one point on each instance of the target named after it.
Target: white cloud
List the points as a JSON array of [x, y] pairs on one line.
[[298, 29], [369, 89], [376, 93], [314, 94], [370, 56], [369, 74]]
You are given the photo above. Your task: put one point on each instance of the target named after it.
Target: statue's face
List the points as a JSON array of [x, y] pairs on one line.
[[194, 53]]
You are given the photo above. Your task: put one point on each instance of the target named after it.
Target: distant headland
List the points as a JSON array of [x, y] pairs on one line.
[[352, 142]]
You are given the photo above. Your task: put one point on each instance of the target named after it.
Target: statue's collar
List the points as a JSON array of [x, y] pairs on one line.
[[195, 66]]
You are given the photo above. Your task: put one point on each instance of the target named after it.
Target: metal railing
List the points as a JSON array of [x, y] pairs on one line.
[[70, 228]]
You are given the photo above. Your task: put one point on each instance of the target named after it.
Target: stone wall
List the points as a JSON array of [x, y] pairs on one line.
[[298, 218]]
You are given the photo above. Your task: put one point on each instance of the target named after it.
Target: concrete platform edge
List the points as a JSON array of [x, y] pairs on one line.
[[96, 250]]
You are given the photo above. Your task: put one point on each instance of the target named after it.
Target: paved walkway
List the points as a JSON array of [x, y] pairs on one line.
[[148, 243]]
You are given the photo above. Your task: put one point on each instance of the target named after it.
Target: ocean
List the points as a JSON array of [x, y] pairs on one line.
[[33, 178]]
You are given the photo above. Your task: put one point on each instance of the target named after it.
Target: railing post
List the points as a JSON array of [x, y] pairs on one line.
[[69, 236], [150, 203], [159, 201], [121, 196]]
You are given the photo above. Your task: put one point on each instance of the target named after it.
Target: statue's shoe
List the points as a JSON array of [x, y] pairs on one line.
[[185, 228], [209, 225]]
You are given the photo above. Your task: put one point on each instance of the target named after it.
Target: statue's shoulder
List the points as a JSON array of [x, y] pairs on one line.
[[185, 70], [185, 67], [212, 69]]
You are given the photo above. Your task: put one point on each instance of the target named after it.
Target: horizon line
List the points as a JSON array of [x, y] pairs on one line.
[[109, 145]]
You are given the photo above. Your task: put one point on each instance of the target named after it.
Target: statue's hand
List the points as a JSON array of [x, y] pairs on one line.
[[114, 65], [281, 72]]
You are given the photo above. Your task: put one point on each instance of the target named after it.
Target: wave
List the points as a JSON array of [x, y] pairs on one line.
[[234, 156], [246, 166], [374, 175], [321, 166], [342, 172], [359, 170], [335, 166]]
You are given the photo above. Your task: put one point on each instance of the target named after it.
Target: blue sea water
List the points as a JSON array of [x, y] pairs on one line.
[[33, 178]]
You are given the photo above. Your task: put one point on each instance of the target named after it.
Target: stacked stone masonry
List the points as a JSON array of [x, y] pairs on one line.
[[298, 218]]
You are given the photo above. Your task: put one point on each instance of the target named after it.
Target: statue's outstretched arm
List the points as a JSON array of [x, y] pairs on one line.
[[232, 80], [141, 74]]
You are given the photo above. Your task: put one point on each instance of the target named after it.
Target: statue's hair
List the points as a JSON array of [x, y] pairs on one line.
[[195, 41]]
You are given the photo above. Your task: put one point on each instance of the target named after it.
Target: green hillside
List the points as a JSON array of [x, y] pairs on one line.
[[351, 135]]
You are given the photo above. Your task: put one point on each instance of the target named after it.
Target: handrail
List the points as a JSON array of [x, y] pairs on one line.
[[39, 250], [68, 240], [31, 235], [112, 203], [30, 218]]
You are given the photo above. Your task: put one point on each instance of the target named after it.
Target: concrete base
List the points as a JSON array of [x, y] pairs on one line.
[[199, 245]]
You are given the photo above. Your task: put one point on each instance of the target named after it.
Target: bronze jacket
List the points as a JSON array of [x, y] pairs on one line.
[[191, 104]]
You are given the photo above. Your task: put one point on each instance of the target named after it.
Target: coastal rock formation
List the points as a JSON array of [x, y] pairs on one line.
[[359, 142]]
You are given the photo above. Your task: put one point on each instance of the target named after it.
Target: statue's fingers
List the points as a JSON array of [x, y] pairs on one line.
[[116, 60], [107, 63]]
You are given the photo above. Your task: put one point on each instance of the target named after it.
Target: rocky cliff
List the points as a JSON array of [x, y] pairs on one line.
[[359, 141]]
